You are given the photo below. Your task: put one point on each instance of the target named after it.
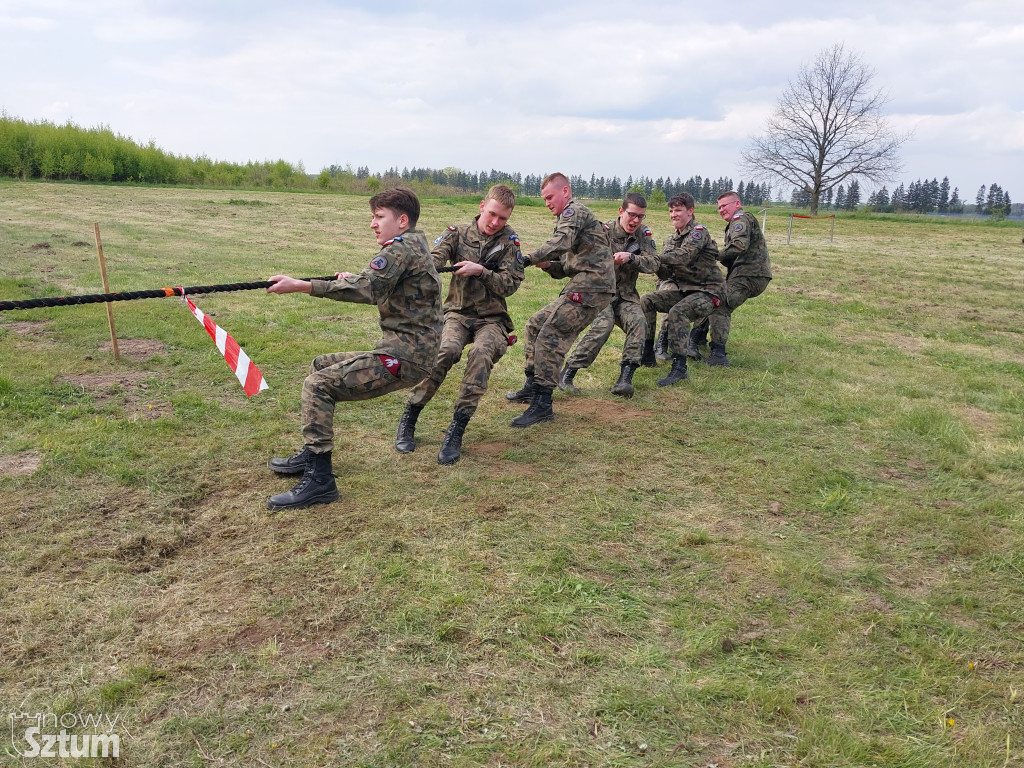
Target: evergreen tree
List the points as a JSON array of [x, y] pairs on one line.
[[899, 199], [956, 205], [979, 200], [994, 199], [933, 195], [840, 198], [801, 198], [879, 201], [943, 201], [853, 196]]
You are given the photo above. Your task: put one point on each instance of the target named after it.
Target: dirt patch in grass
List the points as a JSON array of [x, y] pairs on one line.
[[34, 328], [982, 421], [129, 386], [20, 464], [138, 350], [489, 449], [487, 511], [607, 411], [906, 344], [106, 383]]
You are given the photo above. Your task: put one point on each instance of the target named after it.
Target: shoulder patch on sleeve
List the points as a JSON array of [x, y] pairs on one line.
[[451, 228], [647, 232], [520, 258], [514, 238], [439, 239], [698, 233], [736, 215], [737, 227], [380, 261], [569, 212]]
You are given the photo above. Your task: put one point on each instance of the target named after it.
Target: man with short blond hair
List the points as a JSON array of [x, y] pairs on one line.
[[745, 255], [634, 252], [580, 250], [490, 269]]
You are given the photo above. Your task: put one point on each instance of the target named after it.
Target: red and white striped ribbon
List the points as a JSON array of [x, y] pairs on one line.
[[245, 370]]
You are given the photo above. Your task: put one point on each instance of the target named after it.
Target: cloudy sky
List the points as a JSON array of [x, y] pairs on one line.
[[641, 88]]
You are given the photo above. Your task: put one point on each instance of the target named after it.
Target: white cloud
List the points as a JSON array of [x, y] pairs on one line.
[[25, 23]]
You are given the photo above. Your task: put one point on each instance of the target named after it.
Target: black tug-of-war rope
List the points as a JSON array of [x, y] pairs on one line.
[[159, 293]]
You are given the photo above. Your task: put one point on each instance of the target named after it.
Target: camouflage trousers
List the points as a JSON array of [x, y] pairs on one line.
[[552, 330], [629, 317], [683, 307], [346, 376], [737, 290], [489, 341]]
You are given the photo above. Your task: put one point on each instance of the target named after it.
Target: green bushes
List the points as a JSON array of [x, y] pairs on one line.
[[44, 150]]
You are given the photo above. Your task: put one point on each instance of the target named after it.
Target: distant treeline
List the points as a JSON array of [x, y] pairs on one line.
[[921, 196], [704, 190], [45, 150]]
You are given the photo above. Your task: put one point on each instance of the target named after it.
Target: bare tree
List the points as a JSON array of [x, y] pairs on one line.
[[827, 127]]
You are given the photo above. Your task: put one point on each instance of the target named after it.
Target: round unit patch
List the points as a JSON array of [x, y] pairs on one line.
[[379, 262]]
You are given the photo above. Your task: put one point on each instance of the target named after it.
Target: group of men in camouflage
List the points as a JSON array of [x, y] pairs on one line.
[[422, 339]]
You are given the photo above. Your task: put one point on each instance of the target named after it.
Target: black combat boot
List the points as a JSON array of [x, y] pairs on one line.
[[693, 342], [647, 358], [717, 356], [565, 380], [293, 465], [451, 447], [524, 395], [539, 410], [661, 348], [677, 374], [624, 386], [317, 486], [405, 440]]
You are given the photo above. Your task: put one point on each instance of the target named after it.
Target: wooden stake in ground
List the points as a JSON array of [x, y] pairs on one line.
[[106, 289]]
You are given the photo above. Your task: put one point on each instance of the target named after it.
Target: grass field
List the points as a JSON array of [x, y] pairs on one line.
[[812, 558]]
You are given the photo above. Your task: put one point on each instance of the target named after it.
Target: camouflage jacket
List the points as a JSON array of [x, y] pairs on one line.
[[579, 249], [643, 252], [745, 252], [402, 281], [481, 297], [689, 261]]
